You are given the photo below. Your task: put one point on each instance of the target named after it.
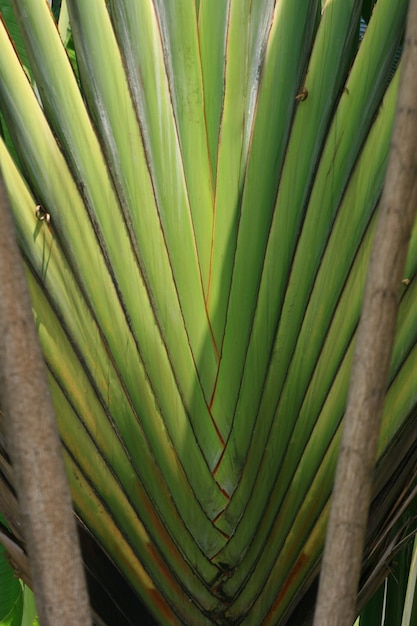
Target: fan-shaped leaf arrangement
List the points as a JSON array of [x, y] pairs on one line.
[[195, 197]]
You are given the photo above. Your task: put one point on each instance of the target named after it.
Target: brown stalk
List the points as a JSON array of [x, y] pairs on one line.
[[336, 603], [33, 443]]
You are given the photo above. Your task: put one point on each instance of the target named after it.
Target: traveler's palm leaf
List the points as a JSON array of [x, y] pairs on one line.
[[208, 191]]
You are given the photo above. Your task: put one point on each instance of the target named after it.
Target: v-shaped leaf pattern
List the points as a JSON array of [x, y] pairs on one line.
[[212, 182]]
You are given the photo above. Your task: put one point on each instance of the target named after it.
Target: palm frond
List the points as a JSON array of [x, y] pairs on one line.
[[195, 193]]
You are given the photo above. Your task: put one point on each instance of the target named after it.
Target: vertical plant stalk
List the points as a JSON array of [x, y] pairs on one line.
[[34, 446], [336, 603]]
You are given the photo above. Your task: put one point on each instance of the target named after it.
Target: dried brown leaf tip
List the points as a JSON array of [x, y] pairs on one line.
[[42, 214]]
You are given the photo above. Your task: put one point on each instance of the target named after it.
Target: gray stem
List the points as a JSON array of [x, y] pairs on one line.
[[336, 603], [49, 526]]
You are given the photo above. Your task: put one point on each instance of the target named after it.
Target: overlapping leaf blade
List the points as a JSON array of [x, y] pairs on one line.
[[212, 192]]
